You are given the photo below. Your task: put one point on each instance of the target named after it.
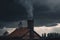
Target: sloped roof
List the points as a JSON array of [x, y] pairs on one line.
[[23, 32], [19, 32]]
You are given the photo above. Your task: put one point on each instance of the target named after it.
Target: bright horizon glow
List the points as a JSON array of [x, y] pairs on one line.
[[47, 30], [9, 30], [39, 30]]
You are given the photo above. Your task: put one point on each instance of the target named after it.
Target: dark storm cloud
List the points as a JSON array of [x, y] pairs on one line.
[[46, 22], [10, 24], [46, 12], [12, 11]]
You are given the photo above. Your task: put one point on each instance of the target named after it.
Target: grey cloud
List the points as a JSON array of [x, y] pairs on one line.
[[10, 24], [57, 30], [2, 31], [46, 22]]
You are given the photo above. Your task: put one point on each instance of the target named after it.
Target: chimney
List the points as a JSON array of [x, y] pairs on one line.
[[30, 24]]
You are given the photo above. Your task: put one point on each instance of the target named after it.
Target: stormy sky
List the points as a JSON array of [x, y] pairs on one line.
[[45, 12]]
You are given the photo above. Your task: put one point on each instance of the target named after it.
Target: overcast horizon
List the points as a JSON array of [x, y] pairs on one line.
[[39, 30]]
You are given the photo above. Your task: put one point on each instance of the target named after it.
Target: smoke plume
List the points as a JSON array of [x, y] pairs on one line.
[[46, 12]]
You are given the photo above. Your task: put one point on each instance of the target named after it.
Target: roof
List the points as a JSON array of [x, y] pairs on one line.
[[19, 32], [23, 32]]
